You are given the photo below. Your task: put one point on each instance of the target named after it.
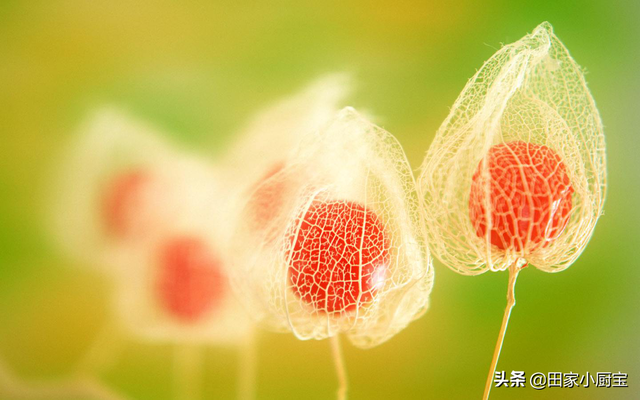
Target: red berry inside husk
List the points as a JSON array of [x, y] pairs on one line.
[[190, 283], [123, 203], [266, 201], [340, 256], [528, 192]]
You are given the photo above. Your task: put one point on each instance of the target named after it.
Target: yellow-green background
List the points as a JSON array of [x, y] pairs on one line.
[[199, 69]]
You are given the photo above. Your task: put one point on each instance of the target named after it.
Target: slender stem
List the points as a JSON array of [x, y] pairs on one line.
[[341, 370], [511, 301], [187, 372], [247, 367]]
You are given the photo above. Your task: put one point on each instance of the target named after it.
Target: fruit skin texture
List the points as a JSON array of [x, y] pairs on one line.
[[529, 196], [190, 284], [340, 256]]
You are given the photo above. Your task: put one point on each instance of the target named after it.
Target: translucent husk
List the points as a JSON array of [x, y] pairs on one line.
[[109, 142], [185, 200], [348, 159], [532, 91], [274, 132]]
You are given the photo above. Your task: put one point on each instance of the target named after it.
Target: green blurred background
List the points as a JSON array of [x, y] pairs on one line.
[[199, 69]]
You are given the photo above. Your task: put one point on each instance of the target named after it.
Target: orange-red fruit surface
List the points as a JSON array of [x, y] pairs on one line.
[[340, 256], [528, 193]]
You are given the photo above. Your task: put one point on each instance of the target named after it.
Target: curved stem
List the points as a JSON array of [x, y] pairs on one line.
[[247, 367], [103, 353], [511, 301], [13, 387], [81, 383], [341, 371]]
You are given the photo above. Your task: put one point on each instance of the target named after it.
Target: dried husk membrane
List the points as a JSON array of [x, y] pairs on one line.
[[355, 164], [182, 200], [111, 145], [138, 297], [197, 217], [530, 91], [276, 131]]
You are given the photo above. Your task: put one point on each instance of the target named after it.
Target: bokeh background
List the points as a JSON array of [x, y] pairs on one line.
[[200, 69]]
